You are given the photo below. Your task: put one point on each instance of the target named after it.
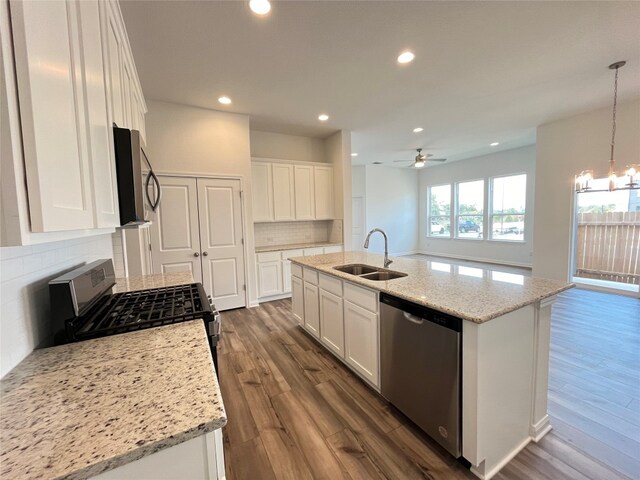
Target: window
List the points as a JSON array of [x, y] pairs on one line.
[[439, 222], [508, 199], [470, 206]]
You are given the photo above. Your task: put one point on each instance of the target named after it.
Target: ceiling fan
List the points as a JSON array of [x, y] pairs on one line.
[[421, 159]]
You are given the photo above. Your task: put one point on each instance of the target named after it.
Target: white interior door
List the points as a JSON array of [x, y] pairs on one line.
[[357, 210], [175, 239], [221, 237]]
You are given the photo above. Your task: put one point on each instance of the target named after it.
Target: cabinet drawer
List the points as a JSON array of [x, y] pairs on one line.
[[287, 254], [296, 270], [310, 275], [313, 251], [331, 284], [268, 256], [362, 297]]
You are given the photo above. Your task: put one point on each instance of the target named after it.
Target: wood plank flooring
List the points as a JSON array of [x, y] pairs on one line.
[[296, 412]]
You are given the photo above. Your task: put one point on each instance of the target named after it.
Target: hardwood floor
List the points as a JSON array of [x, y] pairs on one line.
[[296, 412]]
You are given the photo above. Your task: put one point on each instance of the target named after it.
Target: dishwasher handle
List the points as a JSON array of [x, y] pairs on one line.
[[413, 318]]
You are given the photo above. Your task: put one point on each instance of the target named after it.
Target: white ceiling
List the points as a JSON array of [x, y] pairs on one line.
[[484, 71]]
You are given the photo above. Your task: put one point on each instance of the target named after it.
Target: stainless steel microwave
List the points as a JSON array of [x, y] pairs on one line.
[[132, 189]]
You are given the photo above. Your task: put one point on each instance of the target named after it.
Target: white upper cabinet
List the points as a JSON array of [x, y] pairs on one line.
[[100, 135], [323, 192], [126, 102], [283, 201], [304, 188], [262, 185], [65, 65], [292, 191], [48, 65]]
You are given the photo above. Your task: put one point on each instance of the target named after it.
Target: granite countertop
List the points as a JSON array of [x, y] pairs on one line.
[[471, 293], [295, 246], [80, 409], [143, 282]]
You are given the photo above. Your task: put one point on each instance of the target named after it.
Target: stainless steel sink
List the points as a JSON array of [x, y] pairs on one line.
[[356, 269], [383, 275], [369, 272]]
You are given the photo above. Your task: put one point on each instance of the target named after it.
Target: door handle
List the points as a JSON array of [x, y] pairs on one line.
[[196, 254], [204, 254], [413, 318]]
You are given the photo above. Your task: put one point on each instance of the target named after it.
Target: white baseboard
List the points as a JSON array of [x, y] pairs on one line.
[[540, 429], [480, 473], [402, 254], [492, 261], [274, 297]]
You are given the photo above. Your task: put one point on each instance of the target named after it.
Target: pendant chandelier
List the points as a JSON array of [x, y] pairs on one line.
[[629, 179]]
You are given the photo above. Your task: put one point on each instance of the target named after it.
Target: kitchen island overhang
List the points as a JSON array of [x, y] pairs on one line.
[[505, 344]]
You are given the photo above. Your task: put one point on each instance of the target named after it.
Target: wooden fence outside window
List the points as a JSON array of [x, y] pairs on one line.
[[608, 246]]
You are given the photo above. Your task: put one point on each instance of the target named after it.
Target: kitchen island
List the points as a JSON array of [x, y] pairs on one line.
[[504, 338], [123, 406]]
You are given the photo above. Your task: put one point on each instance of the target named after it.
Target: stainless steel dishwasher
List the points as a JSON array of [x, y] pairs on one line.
[[420, 351]]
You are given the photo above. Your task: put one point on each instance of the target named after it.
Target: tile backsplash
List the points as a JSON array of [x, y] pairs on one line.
[[285, 233], [24, 291]]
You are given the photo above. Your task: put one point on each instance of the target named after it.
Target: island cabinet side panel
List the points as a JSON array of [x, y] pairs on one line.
[[200, 458], [497, 389]]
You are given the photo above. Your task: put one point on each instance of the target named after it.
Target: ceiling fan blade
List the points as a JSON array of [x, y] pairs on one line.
[[436, 159]]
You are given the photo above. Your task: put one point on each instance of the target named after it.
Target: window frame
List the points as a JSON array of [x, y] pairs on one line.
[[457, 215], [430, 217], [491, 213]]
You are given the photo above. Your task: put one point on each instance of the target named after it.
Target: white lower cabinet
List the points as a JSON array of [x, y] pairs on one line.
[[200, 458], [343, 316], [332, 322], [270, 278], [297, 299], [311, 309], [361, 341], [274, 270]]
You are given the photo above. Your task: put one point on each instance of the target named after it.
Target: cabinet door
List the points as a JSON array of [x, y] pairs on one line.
[[297, 299], [112, 55], [323, 179], [283, 197], [269, 278], [262, 193], [304, 196], [100, 133], [48, 63], [311, 309], [361, 341], [126, 94], [286, 268], [332, 322]]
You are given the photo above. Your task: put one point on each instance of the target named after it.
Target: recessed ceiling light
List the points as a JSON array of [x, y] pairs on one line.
[[418, 130], [323, 117], [354, 154], [224, 100], [377, 163], [406, 57], [494, 144], [260, 7]]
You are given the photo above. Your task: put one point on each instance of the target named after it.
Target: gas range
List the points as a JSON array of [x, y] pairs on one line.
[[83, 306]]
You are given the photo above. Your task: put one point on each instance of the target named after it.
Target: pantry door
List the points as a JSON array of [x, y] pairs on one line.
[[175, 237], [222, 243]]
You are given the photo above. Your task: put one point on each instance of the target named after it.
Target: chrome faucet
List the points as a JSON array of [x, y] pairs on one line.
[[387, 262]]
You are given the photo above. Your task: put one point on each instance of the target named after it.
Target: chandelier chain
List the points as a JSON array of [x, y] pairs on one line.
[[613, 130]]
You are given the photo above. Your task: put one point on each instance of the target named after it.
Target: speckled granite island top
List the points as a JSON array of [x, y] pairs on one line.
[[77, 410], [471, 293]]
